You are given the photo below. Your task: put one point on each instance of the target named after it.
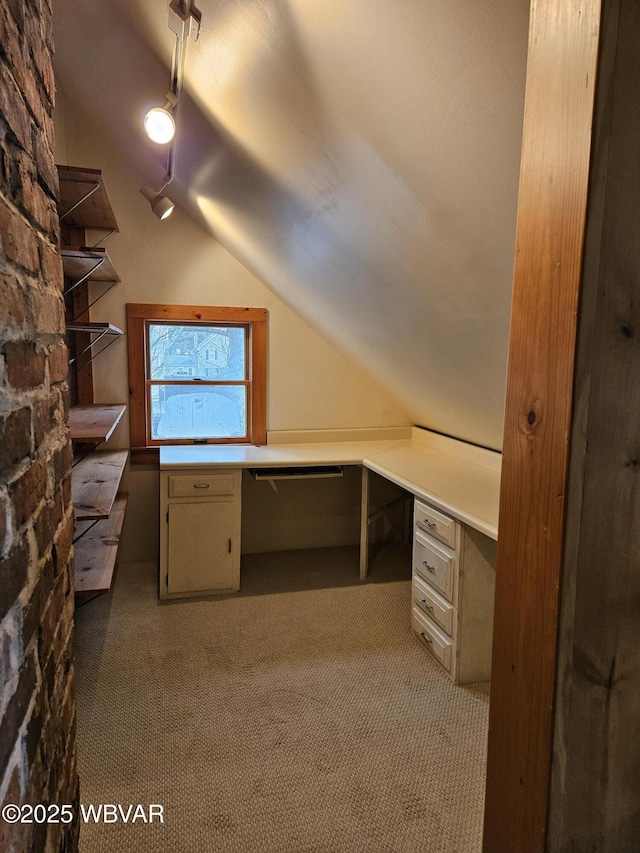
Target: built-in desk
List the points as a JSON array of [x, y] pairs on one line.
[[200, 498]]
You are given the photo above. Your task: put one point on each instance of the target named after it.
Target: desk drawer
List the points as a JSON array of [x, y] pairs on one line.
[[433, 605], [438, 643], [200, 485], [435, 523], [433, 564]]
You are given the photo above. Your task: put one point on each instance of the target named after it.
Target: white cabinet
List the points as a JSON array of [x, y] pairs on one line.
[[453, 582], [199, 533]]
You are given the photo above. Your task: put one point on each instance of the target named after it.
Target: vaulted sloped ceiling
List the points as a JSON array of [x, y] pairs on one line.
[[360, 156]]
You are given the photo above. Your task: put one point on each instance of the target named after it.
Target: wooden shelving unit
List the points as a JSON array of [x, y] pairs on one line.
[[95, 328], [94, 424], [84, 264], [84, 202], [96, 474], [95, 483], [96, 551]]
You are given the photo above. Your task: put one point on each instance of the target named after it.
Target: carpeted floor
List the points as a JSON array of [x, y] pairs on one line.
[[275, 720]]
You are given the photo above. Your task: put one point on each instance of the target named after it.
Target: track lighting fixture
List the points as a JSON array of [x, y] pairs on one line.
[[159, 122], [161, 205]]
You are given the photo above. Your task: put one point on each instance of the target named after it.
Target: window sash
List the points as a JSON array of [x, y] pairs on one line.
[[252, 319]]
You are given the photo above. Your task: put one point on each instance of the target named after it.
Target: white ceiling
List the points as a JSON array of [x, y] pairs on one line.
[[360, 156]]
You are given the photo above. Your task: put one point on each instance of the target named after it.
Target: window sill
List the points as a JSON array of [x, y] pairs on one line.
[[145, 456]]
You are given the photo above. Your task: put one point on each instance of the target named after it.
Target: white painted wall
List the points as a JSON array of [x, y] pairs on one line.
[[311, 384], [362, 157]]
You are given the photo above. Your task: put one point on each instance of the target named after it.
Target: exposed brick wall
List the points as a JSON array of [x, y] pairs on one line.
[[37, 705]]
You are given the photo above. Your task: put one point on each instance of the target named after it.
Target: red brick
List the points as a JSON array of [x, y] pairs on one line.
[[24, 363], [17, 8], [35, 203], [41, 59], [11, 834], [46, 167], [6, 665], [49, 623], [13, 110], [32, 613], [12, 302], [16, 710], [58, 363], [62, 458], [26, 492], [46, 523], [8, 30], [47, 311], [18, 242], [63, 635], [27, 83], [47, 415], [51, 266], [15, 436], [13, 575], [62, 543]]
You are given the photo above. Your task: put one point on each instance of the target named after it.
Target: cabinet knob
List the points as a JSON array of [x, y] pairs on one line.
[[430, 524], [427, 606], [428, 567], [201, 485], [425, 638]]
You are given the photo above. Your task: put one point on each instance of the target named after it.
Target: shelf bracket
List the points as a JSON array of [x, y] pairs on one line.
[[86, 530], [99, 263], [97, 299], [109, 232], [94, 188], [88, 453], [87, 348]]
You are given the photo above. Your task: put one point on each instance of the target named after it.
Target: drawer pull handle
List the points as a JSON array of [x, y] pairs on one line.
[[425, 638], [429, 567], [427, 606], [430, 524], [201, 485]]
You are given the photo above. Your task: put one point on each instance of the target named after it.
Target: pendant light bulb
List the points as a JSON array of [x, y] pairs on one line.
[[159, 125]]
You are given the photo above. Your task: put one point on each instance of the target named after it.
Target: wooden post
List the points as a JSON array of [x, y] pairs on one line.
[[561, 72]]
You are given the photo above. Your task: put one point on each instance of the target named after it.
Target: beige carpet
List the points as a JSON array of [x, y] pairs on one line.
[[274, 720]]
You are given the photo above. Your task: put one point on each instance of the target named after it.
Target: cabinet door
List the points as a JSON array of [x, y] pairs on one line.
[[201, 547]]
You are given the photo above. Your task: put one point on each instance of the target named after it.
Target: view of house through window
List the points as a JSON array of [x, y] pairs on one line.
[[198, 382]]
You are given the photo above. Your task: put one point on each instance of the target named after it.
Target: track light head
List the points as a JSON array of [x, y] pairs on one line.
[[159, 125], [161, 205]]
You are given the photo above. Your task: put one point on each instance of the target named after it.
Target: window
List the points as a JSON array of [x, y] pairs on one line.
[[196, 375]]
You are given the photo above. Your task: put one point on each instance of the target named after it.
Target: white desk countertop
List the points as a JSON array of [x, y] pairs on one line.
[[269, 456], [468, 491], [458, 478]]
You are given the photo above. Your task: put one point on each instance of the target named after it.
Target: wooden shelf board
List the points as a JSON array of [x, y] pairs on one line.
[[95, 212], [92, 424], [96, 552], [77, 262], [95, 481], [95, 328]]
